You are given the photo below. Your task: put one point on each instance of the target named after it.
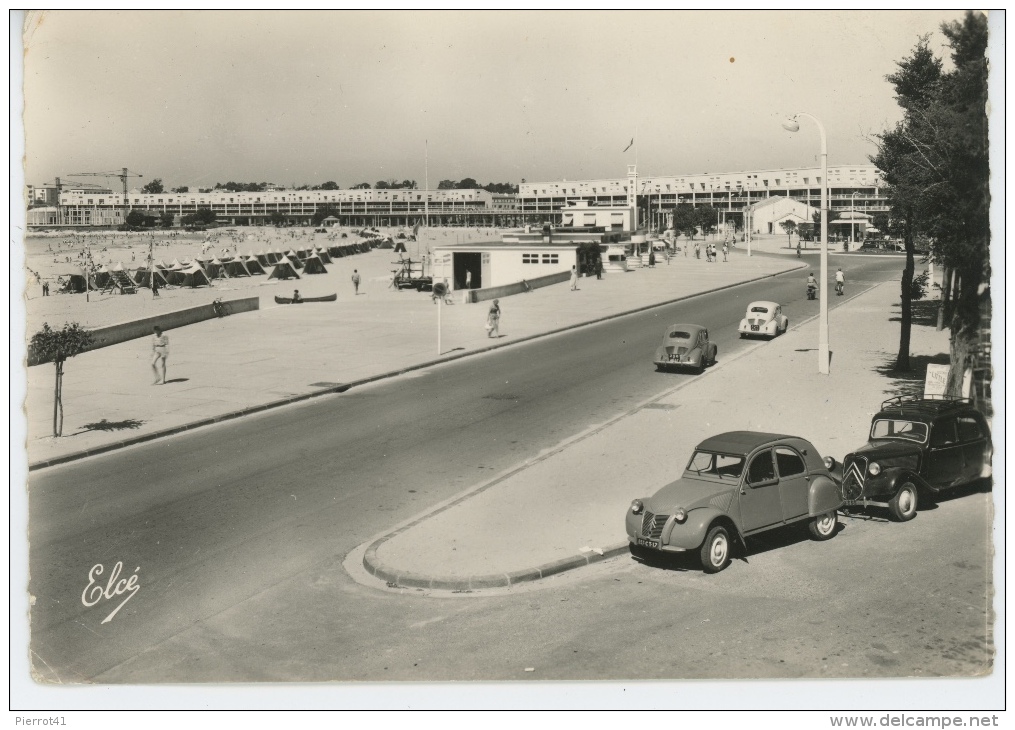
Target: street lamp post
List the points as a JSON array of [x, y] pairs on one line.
[[852, 217], [792, 125]]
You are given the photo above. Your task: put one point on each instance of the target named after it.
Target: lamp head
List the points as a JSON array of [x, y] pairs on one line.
[[791, 125]]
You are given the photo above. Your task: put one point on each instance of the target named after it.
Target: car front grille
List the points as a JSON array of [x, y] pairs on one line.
[[854, 472], [652, 525]]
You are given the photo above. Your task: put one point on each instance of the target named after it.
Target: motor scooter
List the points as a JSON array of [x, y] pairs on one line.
[[812, 291]]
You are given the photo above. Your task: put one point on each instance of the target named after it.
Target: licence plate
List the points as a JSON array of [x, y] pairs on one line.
[[648, 543], [674, 358], [754, 327]]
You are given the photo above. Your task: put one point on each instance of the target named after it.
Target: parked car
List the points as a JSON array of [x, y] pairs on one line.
[[685, 346], [763, 319], [917, 445], [736, 485]]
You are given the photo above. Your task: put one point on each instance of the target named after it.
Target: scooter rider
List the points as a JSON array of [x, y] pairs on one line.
[[840, 280], [812, 286]]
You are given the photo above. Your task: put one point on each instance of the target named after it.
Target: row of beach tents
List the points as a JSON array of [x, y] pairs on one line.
[[291, 264]]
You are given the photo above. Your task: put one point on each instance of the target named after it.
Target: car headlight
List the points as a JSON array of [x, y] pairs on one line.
[[637, 506], [680, 515], [874, 469], [829, 463]]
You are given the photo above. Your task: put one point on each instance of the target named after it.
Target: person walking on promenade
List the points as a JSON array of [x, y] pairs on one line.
[[155, 284], [599, 267], [355, 280], [160, 352], [725, 252], [574, 278], [493, 320], [697, 250]]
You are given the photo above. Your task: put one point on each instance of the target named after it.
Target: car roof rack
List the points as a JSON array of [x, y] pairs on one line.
[[931, 402]]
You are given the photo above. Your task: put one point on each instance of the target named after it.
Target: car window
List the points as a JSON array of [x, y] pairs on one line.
[[899, 429], [721, 465], [969, 429], [760, 310], [762, 469], [943, 433], [790, 463], [679, 335]]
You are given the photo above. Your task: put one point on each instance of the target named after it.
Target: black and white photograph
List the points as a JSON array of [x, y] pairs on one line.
[[452, 358]]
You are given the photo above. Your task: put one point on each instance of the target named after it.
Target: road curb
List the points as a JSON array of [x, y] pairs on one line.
[[212, 420], [406, 579]]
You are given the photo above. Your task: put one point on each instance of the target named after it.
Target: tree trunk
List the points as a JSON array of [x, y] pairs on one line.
[[58, 405], [56, 397], [902, 361], [965, 327], [946, 298]]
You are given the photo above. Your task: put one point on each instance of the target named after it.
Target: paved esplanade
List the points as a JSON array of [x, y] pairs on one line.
[[222, 366]]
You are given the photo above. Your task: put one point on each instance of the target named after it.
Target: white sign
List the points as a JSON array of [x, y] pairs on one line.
[[937, 378]]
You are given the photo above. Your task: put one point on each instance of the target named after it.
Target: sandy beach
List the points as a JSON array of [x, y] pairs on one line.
[[49, 255]]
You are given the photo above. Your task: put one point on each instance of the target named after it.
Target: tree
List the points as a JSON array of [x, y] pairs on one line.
[[684, 220], [166, 219], [277, 219], [361, 186], [203, 216], [447, 185], [330, 185], [153, 187], [706, 216], [936, 166], [882, 221], [183, 189], [321, 213], [467, 183], [49, 345], [789, 226], [135, 218]]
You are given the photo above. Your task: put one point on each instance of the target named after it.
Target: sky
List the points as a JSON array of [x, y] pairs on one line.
[[304, 97]]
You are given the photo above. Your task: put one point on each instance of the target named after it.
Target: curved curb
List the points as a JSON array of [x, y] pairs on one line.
[[211, 420], [406, 579]]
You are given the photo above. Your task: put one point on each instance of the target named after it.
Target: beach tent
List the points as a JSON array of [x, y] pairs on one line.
[[73, 283], [176, 265], [100, 278], [143, 278], [192, 276], [313, 265], [215, 269], [335, 252], [274, 256], [283, 270], [399, 246], [254, 267], [263, 259], [160, 265], [294, 260], [235, 268], [323, 256]]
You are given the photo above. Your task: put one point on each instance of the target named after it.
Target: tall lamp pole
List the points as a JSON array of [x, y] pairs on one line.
[[792, 125], [852, 218]]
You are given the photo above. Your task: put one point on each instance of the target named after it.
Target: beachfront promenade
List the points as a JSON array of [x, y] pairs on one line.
[[285, 352]]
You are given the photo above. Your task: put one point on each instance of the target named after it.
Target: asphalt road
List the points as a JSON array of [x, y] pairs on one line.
[[209, 521]]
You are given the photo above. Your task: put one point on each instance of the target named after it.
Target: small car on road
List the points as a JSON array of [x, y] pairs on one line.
[[917, 446], [736, 485], [763, 319], [685, 346]]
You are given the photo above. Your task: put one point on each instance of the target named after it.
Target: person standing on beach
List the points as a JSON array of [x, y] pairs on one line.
[[355, 280], [155, 284], [160, 353]]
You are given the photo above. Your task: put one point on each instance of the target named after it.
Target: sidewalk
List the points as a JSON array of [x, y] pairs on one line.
[[565, 508], [227, 367]]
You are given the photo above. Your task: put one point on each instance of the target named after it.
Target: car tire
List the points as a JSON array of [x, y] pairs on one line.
[[715, 551], [823, 526], [902, 507]]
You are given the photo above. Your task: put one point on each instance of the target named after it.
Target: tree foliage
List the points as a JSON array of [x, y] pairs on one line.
[[153, 187], [202, 216], [936, 166], [56, 346], [182, 189], [136, 218], [685, 220], [361, 186]]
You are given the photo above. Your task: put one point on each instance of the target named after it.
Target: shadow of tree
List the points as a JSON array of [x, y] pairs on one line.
[[909, 382], [924, 313], [106, 425]]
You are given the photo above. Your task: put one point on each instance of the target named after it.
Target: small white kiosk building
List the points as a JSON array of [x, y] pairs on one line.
[[486, 265]]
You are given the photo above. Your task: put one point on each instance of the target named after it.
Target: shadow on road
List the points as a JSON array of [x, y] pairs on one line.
[[924, 313], [909, 382]]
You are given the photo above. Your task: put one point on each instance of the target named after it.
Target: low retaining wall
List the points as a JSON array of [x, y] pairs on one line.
[[496, 292], [117, 333]]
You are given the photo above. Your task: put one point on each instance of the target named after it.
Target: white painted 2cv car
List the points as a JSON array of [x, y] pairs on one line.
[[736, 485]]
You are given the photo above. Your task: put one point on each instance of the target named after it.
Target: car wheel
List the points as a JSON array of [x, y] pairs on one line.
[[715, 551], [902, 507], [823, 526]]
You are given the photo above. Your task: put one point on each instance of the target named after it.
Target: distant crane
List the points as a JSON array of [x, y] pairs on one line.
[[124, 174]]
